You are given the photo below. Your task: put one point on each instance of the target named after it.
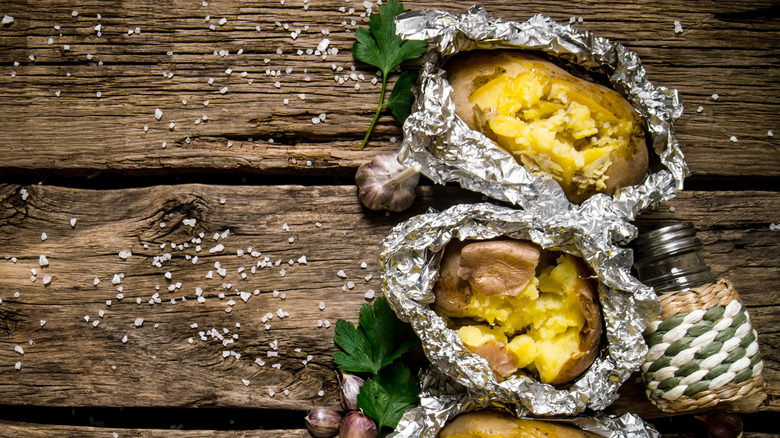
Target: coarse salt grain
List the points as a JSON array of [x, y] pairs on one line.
[[715, 96], [733, 139], [19, 349], [124, 339], [678, 27], [44, 236], [158, 114], [138, 322], [370, 294], [42, 260]]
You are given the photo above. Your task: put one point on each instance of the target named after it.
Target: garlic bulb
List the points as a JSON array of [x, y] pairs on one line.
[[386, 184], [357, 425], [349, 388], [323, 422]]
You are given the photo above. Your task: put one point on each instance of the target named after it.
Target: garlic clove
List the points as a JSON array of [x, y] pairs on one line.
[[349, 388], [357, 425], [385, 183], [323, 422]]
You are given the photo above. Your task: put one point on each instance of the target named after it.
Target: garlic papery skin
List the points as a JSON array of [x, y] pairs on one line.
[[323, 422], [385, 183], [349, 388], [357, 425]]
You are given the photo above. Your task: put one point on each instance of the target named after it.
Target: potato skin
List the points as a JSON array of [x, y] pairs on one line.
[[489, 424], [468, 71], [590, 335], [453, 293]]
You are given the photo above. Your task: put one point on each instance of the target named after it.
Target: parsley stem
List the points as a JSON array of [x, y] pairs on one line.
[[378, 110]]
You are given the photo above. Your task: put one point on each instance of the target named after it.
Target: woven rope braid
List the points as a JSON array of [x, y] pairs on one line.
[[703, 350]]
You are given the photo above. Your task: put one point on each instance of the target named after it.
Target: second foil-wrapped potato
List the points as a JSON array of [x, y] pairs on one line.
[[584, 135], [527, 311]]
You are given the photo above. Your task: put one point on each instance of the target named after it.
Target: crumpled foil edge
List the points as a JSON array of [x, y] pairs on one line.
[[448, 150], [409, 264], [441, 399]]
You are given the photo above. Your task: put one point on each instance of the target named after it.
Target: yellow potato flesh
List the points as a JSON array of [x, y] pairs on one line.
[[541, 326], [552, 129]]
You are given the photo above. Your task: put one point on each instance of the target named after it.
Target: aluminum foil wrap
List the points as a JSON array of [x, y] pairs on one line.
[[449, 150], [441, 400], [409, 263]]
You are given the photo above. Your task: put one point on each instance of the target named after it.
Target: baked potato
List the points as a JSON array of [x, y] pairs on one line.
[[491, 424], [521, 308], [584, 135]]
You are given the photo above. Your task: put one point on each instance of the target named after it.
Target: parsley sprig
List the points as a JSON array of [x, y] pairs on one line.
[[378, 45], [373, 347]]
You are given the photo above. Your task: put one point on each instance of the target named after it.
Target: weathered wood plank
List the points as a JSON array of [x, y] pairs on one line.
[[725, 49], [69, 362], [12, 429]]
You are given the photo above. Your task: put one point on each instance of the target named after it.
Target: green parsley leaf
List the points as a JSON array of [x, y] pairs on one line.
[[401, 98], [380, 339], [381, 47], [386, 397]]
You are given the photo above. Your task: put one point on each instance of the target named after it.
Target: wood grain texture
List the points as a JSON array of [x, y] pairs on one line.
[[11, 429], [69, 362], [726, 49]]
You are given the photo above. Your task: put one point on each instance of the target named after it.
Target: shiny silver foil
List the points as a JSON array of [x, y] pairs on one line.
[[449, 150], [441, 400], [409, 264]]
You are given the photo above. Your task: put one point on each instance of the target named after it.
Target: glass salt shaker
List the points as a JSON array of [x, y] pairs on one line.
[[702, 349]]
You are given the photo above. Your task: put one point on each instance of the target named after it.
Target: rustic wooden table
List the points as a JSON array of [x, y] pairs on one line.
[[132, 210]]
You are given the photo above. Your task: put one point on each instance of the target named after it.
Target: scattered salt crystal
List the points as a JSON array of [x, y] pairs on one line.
[[223, 90], [245, 382], [770, 133], [171, 126], [321, 393], [42, 260], [138, 322], [124, 339], [44, 236], [43, 322], [7, 19], [341, 274], [672, 208], [222, 21], [271, 392], [302, 260], [322, 305], [715, 96], [158, 113], [220, 247], [19, 349], [124, 254], [733, 139], [302, 96], [18, 366], [678, 27], [326, 324], [699, 109], [46, 279], [350, 285], [95, 323]]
